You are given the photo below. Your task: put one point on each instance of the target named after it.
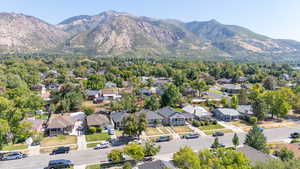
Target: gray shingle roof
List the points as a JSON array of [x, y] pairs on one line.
[[166, 112], [150, 115], [118, 116], [159, 164], [254, 155], [227, 111], [97, 120]]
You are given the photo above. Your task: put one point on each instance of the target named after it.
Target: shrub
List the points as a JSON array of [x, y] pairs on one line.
[[127, 165], [214, 122], [88, 111], [253, 120], [92, 130], [196, 123], [99, 129]]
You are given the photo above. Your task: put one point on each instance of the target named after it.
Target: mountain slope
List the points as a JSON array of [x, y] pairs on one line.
[[21, 33]]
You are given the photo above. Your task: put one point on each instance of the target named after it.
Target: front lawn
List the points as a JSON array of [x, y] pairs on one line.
[[14, 147], [151, 131], [95, 166], [209, 132], [97, 137], [182, 129], [58, 141], [164, 130], [91, 145], [211, 127]]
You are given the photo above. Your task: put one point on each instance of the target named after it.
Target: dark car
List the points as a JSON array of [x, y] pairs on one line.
[[163, 139], [295, 135], [13, 156], [58, 164], [216, 134], [220, 145], [60, 150], [191, 136]]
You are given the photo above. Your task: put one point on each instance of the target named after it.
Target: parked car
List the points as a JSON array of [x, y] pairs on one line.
[[163, 139], [60, 150], [295, 135], [216, 134], [191, 136], [102, 145], [13, 156], [136, 142], [59, 164], [220, 145]]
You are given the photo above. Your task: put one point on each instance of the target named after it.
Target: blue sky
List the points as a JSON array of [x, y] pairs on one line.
[[274, 18]]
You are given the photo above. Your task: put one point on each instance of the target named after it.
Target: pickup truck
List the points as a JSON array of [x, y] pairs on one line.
[[60, 150]]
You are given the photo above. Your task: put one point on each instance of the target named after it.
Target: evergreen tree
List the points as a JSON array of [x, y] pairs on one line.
[[256, 139], [235, 140]]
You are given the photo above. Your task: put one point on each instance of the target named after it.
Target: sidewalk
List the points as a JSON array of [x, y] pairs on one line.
[[81, 142], [232, 127]]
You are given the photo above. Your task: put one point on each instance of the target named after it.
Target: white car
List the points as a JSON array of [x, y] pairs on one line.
[[102, 145]]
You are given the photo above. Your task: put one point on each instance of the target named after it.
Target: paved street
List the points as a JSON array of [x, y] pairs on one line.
[[89, 156]]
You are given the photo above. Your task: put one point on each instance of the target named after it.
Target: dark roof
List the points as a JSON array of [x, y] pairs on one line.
[[254, 155], [159, 164], [166, 111], [150, 115], [118, 116], [97, 120]]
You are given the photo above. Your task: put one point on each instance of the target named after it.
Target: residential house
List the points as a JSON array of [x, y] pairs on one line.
[[159, 164], [231, 88], [153, 118], [92, 94], [174, 118], [161, 81], [254, 155], [245, 110], [117, 118], [242, 79], [224, 81], [98, 120], [111, 94], [61, 125], [110, 85], [247, 85], [36, 125], [226, 114], [190, 92], [198, 111], [213, 96]]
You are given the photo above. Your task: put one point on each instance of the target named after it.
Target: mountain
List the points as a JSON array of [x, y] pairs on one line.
[[21, 34], [113, 33]]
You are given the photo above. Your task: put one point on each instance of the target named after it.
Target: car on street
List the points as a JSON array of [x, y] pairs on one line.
[[191, 136], [59, 164], [60, 150], [295, 135], [102, 145], [163, 139], [217, 134], [13, 156]]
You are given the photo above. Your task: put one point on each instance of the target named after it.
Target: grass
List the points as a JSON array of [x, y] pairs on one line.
[[178, 109], [164, 130], [215, 91], [90, 104], [14, 147], [95, 166], [182, 129], [97, 137], [91, 145], [59, 140], [211, 127], [150, 131], [240, 123], [49, 149], [209, 132]]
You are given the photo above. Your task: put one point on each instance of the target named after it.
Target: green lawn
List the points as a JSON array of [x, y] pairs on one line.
[[14, 147], [95, 166], [211, 127], [91, 145], [215, 91], [97, 137]]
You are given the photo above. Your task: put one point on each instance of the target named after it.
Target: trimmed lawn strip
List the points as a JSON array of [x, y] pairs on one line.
[[48, 150], [91, 145], [182, 129], [95, 166], [210, 132], [97, 137], [150, 131], [211, 127], [59, 140], [14, 147]]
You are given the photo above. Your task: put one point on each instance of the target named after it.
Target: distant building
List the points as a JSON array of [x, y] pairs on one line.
[[197, 111], [224, 81], [231, 88], [226, 114], [62, 125], [174, 118], [118, 118]]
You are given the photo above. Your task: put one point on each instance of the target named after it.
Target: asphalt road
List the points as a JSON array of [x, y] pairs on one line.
[[95, 156]]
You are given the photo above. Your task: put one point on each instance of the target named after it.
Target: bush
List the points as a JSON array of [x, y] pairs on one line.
[[214, 122], [127, 165], [99, 129], [92, 130], [88, 111], [253, 120], [196, 123]]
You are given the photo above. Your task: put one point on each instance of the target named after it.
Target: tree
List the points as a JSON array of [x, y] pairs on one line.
[[135, 151], [152, 103], [142, 124], [4, 130], [95, 82], [234, 102], [235, 140], [270, 83], [243, 97], [127, 165], [200, 85], [186, 158], [216, 143], [171, 96], [259, 107], [130, 126], [150, 149], [224, 102], [256, 139], [115, 155], [88, 111], [285, 154]]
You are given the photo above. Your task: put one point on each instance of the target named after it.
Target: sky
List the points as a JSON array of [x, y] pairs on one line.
[[274, 18]]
